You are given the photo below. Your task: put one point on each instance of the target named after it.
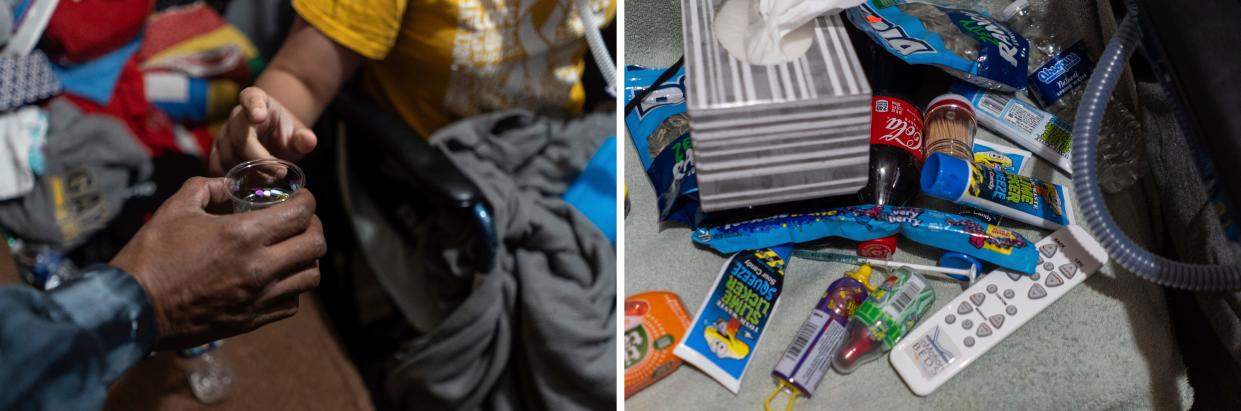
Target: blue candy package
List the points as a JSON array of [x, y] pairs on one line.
[[659, 129], [938, 229], [967, 44]]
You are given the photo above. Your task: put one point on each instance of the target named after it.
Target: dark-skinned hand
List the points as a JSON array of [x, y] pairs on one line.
[[211, 276]]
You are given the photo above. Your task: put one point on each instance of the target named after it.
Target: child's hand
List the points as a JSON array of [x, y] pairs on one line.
[[259, 128]]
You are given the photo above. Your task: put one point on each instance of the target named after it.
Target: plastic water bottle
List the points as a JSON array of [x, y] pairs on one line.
[[41, 266], [210, 379], [1060, 66]]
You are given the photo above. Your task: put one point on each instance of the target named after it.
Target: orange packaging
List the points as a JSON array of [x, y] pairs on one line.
[[655, 321]]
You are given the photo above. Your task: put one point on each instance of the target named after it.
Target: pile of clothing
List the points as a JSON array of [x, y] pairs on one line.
[[94, 96]]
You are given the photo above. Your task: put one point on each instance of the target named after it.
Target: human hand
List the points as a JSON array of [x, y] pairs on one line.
[[260, 127], [212, 276]]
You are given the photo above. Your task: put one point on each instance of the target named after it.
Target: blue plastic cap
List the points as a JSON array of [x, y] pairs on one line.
[[945, 176], [954, 259]]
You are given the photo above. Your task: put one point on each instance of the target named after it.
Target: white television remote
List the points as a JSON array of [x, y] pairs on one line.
[[991, 309]]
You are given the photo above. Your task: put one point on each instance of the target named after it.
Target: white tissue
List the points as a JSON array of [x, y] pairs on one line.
[[775, 31]]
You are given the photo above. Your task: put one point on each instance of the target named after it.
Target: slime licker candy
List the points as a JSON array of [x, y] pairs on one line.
[[1026, 199], [884, 318], [998, 156], [731, 320], [654, 322], [809, 357]]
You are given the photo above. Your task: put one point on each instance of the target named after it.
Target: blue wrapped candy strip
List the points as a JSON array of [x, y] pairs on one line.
[[951, 232]]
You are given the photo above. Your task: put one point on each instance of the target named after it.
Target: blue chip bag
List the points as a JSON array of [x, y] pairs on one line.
[[659, 129], [967, 44]]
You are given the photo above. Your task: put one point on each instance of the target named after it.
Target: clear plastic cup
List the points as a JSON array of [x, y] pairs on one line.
[[253, 185], [258, 184]]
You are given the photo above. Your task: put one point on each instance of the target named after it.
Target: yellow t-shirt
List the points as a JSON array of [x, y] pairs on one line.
[[436, 61]]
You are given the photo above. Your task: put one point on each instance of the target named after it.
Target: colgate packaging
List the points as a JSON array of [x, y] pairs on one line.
[[895, 156]]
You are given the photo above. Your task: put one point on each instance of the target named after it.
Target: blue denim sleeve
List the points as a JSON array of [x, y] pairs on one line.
[[60, 349]]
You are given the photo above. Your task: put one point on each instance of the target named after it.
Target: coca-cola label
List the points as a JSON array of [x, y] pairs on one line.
[[896, 123]]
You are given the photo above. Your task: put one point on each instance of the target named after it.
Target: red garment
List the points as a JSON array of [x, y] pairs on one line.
[[82, 30], [202, 136], [176, 25], [129, 104]]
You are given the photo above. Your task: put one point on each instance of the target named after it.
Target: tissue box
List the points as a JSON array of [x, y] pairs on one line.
[[778, 133]]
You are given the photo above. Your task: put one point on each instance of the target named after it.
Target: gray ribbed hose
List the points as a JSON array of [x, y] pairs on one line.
[[1119, 246]]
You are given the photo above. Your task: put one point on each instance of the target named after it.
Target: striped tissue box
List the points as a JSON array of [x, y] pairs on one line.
[[778, 133]]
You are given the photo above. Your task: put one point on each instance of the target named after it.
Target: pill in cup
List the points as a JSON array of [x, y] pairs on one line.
[[258, 184]]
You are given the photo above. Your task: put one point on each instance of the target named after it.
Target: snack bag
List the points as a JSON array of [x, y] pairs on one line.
[[659, 129], [967, 44]]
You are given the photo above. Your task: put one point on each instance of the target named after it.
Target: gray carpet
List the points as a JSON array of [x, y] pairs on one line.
[[1107, 345]]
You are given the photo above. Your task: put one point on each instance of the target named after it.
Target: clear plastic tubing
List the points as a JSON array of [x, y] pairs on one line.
[[598, 49], [1122, 249]]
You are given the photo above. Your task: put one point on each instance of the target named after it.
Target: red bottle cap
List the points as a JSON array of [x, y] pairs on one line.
[[882, 247]]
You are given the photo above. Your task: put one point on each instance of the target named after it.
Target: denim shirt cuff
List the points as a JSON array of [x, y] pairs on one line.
[[112, 306]]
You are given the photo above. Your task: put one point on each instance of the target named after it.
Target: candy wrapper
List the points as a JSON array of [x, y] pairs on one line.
[[884, 318], [950, 232]]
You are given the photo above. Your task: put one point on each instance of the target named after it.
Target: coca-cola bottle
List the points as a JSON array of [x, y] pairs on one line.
[[895, 160], [895, 136]]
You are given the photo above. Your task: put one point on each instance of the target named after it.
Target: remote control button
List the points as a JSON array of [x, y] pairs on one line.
[[1069, 270], [983, 330], [950, 319], [964, 308], [967, 323], [1036, 292], [1036, 276], [996, 320], [991, 288], [978, 298], [1049, 249], [1054, 280], [1009, 294], [1048, 266], [1011, 310], [969, 341], [1015, 276]]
